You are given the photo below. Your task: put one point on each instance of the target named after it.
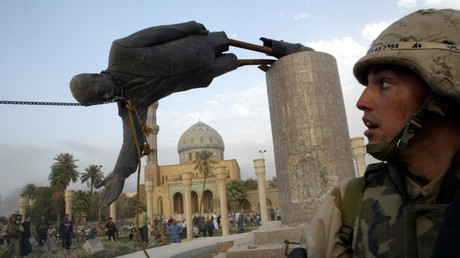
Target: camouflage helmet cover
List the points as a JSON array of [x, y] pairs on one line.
[[428, 43]]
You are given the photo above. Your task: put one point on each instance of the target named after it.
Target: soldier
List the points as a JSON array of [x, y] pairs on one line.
[[408, 205], [13, 234]]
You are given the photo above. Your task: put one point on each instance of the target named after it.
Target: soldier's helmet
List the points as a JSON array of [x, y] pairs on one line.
[[428, 43]]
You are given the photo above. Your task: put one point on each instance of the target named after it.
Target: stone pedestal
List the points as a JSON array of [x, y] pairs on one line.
[[310, 132], [113, 210], [187, 180], [68, 197], [22, 204], [359, 154], [149, 197], [221, 180], [259, 165]]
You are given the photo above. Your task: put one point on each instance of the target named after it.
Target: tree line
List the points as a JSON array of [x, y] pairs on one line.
[[85, 203]]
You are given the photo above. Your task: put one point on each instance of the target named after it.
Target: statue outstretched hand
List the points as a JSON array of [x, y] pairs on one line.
[[113, 187]]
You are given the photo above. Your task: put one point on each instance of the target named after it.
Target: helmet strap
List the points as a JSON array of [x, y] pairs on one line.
[[385, 151]]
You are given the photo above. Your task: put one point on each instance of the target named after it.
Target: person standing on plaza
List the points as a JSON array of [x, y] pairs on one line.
[[65, 231], [41, 229], [25, 247], [240, 224], [143, 225], [50, 244], [202, 225], [111, 229], [174, 230], [13, 233], [211, 226], [99, 229], [184, 228]]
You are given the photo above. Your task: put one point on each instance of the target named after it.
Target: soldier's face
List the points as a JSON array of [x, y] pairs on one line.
[[391, 97]]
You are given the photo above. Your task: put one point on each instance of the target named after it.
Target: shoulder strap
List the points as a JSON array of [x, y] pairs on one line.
[[350, 209], [447, 243]]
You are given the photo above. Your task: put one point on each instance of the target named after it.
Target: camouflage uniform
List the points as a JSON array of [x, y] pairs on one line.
[[397, 217]]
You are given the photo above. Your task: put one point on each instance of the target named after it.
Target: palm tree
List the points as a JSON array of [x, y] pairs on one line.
[[92, 176], [274, 182], [63, 171], [205, 165], [81, 204], [251, 184], [29, 191], [235, 193]]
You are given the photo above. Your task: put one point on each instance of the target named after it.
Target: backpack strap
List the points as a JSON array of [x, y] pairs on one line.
[[350, 209], [447, 243]]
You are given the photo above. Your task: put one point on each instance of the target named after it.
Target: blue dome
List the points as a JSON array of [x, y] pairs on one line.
[[200, 136]]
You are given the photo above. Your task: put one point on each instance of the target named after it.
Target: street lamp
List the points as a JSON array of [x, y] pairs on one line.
[[262, 152]]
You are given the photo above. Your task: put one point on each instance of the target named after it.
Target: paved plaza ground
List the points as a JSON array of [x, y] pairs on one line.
[[196, 247]]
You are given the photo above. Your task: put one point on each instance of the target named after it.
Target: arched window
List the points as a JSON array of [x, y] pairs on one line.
[[190, 156], [160, 205], [195, 206], [208, 203], [162, 179], [245, 206], [178, 201]]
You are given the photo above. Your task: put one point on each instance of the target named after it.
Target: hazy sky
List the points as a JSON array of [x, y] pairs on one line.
[[45, 43]]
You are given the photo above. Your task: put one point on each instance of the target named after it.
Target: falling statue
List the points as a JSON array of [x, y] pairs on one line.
[[153, 63]]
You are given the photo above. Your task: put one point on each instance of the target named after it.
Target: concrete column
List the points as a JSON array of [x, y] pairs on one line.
[[310, 132], [22, 204], [359, 154], [187, 180], [259, 165], [113, 211], [221, 175], [68, 197], [149, 197]]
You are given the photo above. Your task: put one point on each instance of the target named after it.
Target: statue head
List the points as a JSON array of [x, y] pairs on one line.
[[90, 88]]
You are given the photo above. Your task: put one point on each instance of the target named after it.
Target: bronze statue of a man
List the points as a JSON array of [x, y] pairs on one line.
[[151, 64]]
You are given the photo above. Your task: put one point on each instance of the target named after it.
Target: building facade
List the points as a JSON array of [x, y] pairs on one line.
[[164, 194]]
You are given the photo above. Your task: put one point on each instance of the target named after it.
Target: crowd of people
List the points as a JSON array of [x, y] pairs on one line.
[[18, 236], [154, 231]]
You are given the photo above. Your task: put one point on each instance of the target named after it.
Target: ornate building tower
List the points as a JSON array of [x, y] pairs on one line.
[[152, 159]]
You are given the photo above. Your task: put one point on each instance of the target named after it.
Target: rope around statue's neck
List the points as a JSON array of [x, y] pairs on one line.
[[131, 108]]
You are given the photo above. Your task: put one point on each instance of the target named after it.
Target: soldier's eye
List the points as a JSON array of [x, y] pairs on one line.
[[385, 84]]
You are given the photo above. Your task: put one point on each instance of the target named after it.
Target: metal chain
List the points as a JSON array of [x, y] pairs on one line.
[[118, 81], [12, 102]]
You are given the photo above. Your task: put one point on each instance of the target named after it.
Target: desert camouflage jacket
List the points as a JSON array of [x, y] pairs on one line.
[[397, 218]]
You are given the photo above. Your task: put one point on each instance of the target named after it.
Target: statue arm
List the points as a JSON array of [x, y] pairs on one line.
[[128, 160], [160, 34]]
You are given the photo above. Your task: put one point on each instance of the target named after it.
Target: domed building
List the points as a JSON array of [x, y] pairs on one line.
[[165, 194], [197, 138]]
